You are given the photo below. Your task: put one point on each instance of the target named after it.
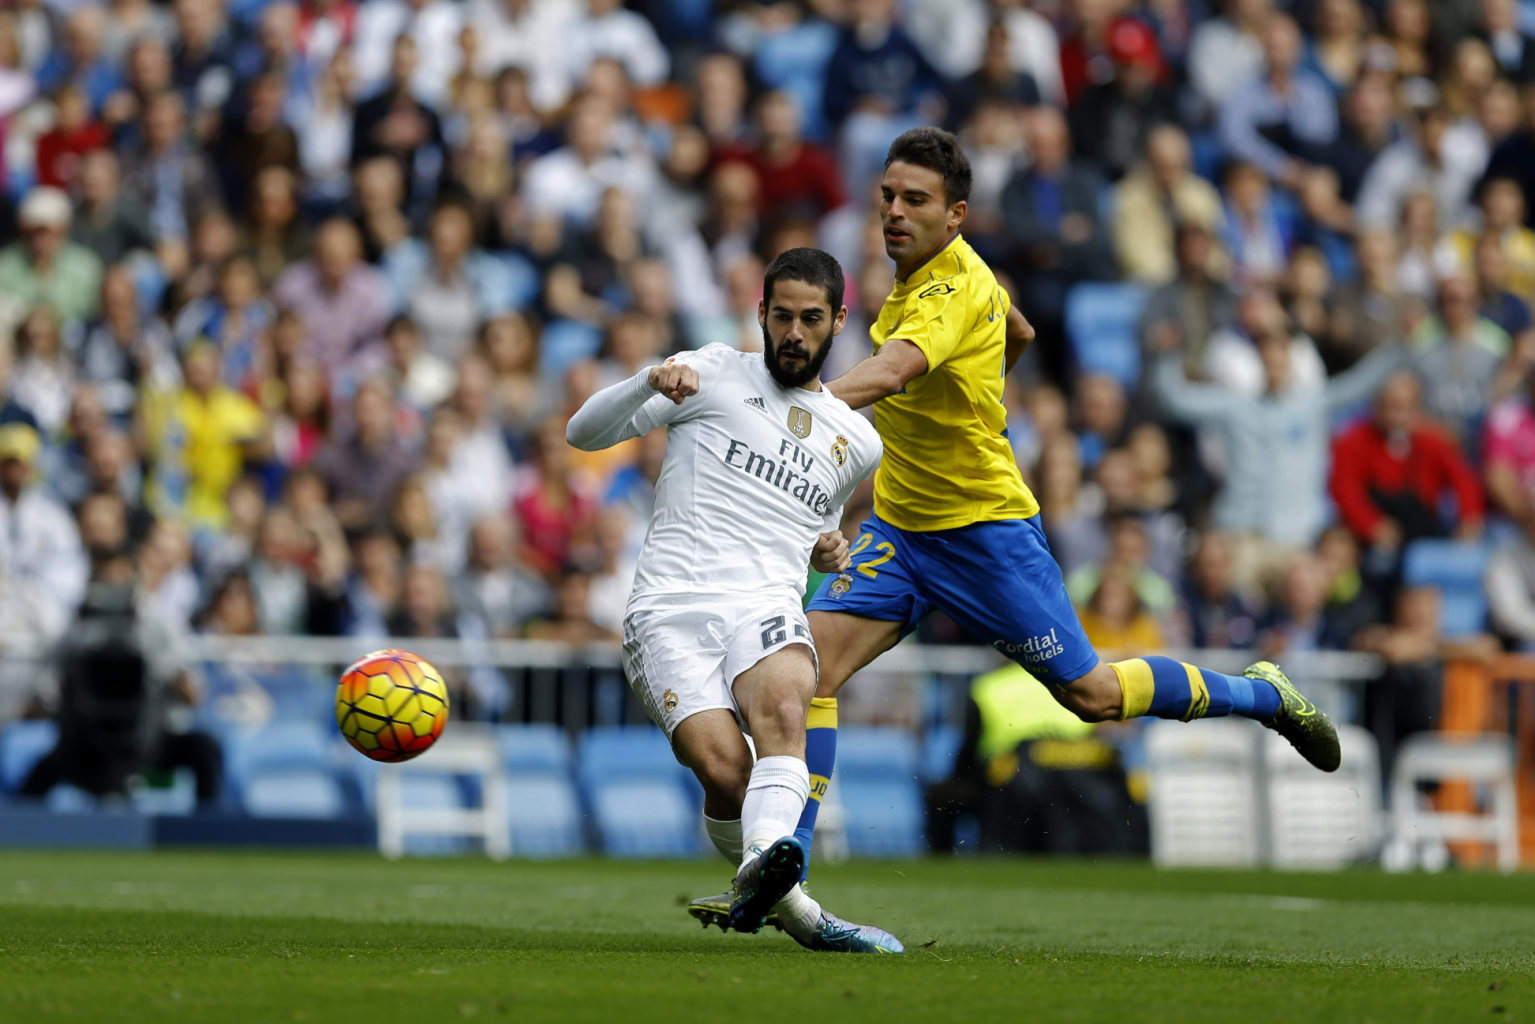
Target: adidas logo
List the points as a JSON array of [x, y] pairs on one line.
[[757, 402]]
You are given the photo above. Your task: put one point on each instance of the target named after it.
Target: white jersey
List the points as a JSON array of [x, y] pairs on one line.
[[754, 473]]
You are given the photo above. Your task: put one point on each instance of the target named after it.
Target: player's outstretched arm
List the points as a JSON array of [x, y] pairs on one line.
[[614, 414], [1020, 335], [885, 373]]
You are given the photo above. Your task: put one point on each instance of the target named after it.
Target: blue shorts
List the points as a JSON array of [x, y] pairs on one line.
[[997, 580]]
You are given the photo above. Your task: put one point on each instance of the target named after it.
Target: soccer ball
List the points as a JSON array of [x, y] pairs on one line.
[[391, 705]]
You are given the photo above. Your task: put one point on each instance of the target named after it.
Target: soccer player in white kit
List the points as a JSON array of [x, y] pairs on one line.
[[760, 459]]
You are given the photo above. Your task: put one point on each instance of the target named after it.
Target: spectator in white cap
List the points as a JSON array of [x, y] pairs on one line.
[[43, 267]]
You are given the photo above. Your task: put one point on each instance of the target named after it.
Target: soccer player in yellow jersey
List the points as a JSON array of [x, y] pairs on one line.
[[954, 526]]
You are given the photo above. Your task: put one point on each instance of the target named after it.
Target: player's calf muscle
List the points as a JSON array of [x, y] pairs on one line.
[[1095, 697], [711, 745]]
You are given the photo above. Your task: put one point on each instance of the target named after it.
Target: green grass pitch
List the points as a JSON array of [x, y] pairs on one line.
[[204, 937]]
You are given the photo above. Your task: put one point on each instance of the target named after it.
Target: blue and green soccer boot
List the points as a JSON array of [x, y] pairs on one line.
[[832, 935], [1298, 720], [835, 935], [763, 882]]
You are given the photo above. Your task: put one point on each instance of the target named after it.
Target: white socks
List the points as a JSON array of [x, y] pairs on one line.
[[726, 837], [772, 798], [775, 798]]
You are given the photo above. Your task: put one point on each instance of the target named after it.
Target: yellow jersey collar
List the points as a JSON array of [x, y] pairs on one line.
[[947, 247]]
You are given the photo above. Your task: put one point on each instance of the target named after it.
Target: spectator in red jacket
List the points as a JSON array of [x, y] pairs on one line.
[[797, 177], [1393, 474]]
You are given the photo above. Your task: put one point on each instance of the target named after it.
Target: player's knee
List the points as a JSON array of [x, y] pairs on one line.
[[723, 779], [786, 714]]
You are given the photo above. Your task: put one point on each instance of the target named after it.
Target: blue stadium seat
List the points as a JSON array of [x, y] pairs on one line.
[[876, 752], [300, 740], [292, 790], [22, 745], [286, 770], [1100, 327], [534, 748], [180, 797], [940, 748], [644, 817], [67, 799], [546, 815], [1455, 568], [610, 753], [884, 816], [431, 791]]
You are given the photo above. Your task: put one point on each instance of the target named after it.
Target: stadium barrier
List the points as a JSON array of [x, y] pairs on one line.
[[260, 683]]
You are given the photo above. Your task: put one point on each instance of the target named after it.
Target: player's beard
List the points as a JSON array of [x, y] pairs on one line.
[[793, 378]]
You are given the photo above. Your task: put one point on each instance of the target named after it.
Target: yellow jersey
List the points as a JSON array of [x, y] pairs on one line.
[[947, 461]]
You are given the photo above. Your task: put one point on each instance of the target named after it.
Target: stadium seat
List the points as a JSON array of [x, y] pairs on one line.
[[534, 748], [1323, 820], [876, 752], [67, 799], [546, 816], [22, 745], [644, 817], [292, 790], [609, 753], [297, 746], [1486, 762], [296, 739], [180, 797], [884, 816], [1100, 328], [1204, 792], [423, 791], [940, 749], [1455, 568]]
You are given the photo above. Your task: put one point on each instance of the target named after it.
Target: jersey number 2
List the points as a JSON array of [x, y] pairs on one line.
[[886, 553], [773, 631]]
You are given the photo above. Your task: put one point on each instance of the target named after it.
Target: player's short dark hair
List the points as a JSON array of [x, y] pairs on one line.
[[812, 266], [937, 150]]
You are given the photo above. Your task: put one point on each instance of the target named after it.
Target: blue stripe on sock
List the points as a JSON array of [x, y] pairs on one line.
[[1253, 698], [1222, 693], [1170, 696]]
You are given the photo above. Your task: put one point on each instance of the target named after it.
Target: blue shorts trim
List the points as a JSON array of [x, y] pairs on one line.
[[997, 580]]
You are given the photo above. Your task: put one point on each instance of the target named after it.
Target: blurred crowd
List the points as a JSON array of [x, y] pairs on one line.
[[295, 298]]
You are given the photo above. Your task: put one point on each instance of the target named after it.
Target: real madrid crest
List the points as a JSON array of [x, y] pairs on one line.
[[669, 701], [839, 450], [799, 422]]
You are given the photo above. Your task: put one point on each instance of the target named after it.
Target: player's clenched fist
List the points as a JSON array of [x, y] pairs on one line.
[[675, 380], [830, 553]]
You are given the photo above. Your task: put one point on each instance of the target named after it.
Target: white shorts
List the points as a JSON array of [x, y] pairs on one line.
[[682, 656]]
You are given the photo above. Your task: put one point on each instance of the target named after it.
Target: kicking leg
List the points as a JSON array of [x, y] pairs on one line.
[[1163, 688], [773, 695], [1025, 607]]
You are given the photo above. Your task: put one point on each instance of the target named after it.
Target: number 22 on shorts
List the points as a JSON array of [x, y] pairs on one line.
[[886, 549]]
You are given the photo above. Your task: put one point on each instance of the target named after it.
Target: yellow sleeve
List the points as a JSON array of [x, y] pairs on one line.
[[934, 320]]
